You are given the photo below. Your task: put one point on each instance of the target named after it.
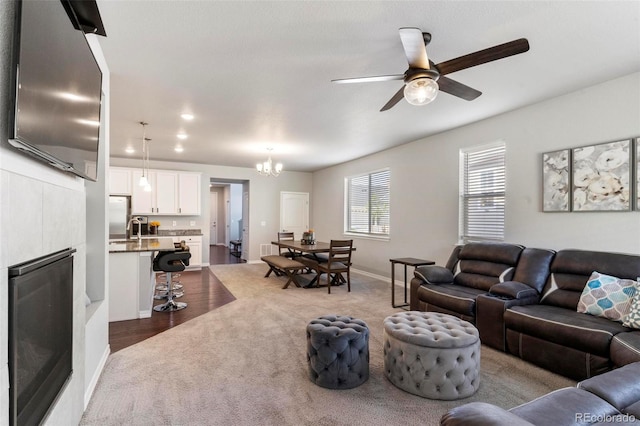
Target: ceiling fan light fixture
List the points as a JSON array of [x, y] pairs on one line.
[[421, 91]]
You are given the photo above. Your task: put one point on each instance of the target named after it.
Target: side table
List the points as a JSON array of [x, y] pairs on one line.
[[406, 261]]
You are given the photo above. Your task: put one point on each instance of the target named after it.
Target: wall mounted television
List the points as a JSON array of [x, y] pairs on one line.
[[57, 88]]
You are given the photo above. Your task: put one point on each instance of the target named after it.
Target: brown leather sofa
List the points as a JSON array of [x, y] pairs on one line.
[[610, 398], [524, 301]]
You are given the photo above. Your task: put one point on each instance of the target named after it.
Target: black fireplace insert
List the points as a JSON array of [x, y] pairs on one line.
[[40, 335]]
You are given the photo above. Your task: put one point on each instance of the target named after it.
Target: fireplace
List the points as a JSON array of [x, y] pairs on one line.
[[40, 334]]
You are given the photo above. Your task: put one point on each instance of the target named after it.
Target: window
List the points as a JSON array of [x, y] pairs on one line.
[[367, 203], [482, 193]]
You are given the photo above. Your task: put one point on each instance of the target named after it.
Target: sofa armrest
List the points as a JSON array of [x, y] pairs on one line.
[[433, 274], [481, 414], [513, 290]]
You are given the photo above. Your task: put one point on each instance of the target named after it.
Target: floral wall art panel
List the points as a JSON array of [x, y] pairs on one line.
[[637, 161], [601, 177], [556, 179]]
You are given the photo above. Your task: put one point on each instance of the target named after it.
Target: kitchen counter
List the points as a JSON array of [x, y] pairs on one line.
[[144, 244]]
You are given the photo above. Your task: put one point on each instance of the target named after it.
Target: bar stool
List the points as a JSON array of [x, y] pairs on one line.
[[170, 262], [162, 288]]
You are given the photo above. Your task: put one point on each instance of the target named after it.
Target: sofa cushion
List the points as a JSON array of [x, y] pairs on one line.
[[625, 348], [607, 296], [632, 318], [562, 407], [571, 269], [564, 327], [620, 387], [454, 298], [481, 265]]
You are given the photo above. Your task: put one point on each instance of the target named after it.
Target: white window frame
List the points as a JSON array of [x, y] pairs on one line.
[[492, 226], [385, 228]]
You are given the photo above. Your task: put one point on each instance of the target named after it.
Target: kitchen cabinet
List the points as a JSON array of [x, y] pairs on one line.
[[172, 193], [195, 248], [120, 181], [189, 194]]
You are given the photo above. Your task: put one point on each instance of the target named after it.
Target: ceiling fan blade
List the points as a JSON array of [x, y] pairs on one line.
[[414, 49], [394, 100], [370, 79], [455, 88], [483, 56]]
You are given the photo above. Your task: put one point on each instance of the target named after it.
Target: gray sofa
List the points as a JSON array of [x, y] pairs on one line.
[[610, 398], [524, 301]]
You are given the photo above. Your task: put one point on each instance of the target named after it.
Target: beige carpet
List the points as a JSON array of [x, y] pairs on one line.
[[245, 364]]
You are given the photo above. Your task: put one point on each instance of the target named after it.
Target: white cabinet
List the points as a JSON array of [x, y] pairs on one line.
[[165, 189], [141, 201], [189, 194], [172, 193], [120, 181], [195, 248], [131, 285]]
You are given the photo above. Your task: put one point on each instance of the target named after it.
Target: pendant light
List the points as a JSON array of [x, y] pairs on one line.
[[144, 179]]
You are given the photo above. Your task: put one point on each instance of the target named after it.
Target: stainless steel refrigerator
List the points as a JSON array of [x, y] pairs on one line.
[[119, 212]]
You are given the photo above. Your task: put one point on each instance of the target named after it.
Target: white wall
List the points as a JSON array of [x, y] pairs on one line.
[[425, 180], [264, 197]]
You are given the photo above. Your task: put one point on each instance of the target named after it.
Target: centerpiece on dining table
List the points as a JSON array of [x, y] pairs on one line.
[[308, 237]]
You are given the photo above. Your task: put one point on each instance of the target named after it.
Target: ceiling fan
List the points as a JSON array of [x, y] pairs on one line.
[[423, 79]]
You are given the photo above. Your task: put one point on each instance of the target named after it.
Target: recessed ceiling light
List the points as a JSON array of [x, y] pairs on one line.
[[181, 135], [130, 150], [187, 116], [178, 148]]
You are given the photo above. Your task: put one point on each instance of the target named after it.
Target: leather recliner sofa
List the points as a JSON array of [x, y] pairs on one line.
[[610, 398], [531, 310]]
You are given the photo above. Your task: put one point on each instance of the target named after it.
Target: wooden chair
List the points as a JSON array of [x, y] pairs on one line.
[[286, 236], [339, 263]]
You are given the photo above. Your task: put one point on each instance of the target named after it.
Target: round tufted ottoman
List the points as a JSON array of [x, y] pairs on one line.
[[432, 355], [338, 351]]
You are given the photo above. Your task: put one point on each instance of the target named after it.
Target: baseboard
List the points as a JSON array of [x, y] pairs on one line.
[[144, 314], [88, 393]]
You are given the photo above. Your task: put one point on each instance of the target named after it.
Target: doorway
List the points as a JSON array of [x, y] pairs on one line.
[[227, 220]]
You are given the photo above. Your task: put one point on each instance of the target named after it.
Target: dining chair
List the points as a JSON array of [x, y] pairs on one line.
[[286, 236], [338, 263]]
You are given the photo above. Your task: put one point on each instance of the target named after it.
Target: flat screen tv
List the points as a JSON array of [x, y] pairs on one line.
[[57, 88]]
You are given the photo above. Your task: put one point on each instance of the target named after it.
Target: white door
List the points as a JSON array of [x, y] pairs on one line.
[[213, 218], [245, 225], [294, 213]]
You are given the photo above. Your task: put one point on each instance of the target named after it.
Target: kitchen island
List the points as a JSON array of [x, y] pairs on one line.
[[131, 276]]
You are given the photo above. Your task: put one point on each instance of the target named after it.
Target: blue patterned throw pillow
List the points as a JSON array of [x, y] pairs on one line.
[[606, 296], [632, 319]]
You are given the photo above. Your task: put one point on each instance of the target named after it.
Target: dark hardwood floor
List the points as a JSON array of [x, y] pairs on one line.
[[203, 292]]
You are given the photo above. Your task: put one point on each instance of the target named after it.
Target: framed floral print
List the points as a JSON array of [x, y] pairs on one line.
[[556, 181], [601, 177]]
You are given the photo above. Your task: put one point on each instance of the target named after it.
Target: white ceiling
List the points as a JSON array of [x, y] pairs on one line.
[[257, 74]]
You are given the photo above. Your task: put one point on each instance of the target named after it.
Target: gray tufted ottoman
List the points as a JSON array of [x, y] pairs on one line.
[[433, 355], [338, 351]]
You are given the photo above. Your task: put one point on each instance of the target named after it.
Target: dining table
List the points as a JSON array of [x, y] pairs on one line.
[[314, 250]]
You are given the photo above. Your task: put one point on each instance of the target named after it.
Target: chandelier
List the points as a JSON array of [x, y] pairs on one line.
[[267, 169], [144, 179]]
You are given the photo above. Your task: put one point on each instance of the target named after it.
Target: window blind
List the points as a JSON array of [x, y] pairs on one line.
[[367, 204], [483, 195]]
